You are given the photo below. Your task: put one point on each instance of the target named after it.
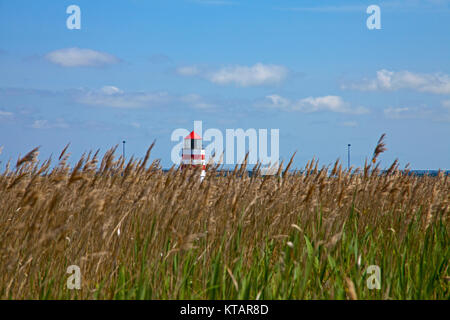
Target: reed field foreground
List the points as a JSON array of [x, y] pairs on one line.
[[137, 232]]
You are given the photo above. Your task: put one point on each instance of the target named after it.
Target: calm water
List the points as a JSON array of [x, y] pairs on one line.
[[428, 172], [431, 173]]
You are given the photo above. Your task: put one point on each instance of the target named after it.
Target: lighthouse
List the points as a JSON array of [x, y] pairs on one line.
[[193, 154]]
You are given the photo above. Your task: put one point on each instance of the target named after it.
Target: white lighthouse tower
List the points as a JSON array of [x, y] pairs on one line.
[[193, 154]]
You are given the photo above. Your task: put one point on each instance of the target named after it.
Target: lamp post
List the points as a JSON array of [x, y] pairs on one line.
[[348, 163]]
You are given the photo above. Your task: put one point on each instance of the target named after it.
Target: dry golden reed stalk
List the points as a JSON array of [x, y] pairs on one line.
[[380, 148], [351, 289]]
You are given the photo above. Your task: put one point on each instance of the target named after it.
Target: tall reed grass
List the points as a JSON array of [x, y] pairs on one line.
[[139, 233]]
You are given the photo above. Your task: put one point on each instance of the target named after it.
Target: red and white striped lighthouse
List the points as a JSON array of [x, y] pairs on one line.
[[193, 154]]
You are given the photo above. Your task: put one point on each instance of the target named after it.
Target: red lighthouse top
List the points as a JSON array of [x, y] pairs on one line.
[[193, 136]]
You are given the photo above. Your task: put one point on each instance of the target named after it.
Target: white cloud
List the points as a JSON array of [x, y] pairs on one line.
[[110, 96], [243, 76], [40, 124], [5, 114], [417, 112], [188, 71], [45, 124], [422, 112], [278, 101], [110, 90], [436, 83], [76, 57], [313, 104], [398, 113], [258, 74], [196, 101], [351, 124]]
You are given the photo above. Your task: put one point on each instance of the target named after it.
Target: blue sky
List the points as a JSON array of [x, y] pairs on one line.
[[137, 70]]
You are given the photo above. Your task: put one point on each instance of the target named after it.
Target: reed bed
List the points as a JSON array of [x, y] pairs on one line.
[[137, 232]]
